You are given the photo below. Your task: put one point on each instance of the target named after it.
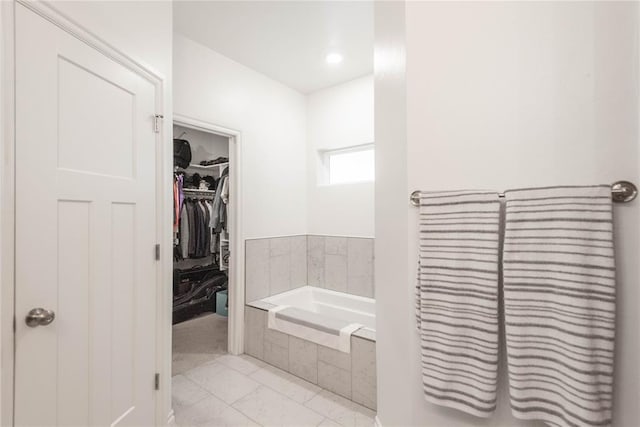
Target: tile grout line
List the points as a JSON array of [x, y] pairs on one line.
[[237, 370], [211, 394], [303, 404], [349, 371], [346, 260], [207, 392], [351, 340], [242, 412], [234, 370], [328, 417], [269, 268], [196, 402], [318, 365], [248, 376], [315, 393]]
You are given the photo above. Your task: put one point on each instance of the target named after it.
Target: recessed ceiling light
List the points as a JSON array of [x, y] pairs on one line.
[[334, 58]]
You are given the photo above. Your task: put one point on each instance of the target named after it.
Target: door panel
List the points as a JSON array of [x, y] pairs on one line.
[[81, 148], [85, 232], [73, 257]]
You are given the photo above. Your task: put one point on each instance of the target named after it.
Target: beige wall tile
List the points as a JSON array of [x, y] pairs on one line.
[[256, 269], [255, 325], [363, 372], [334, 379], [303, 359]]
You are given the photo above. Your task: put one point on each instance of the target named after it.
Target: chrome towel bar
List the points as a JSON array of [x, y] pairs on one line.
[[621, 192]]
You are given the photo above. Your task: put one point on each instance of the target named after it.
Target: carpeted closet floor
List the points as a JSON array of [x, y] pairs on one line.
[[197, 341]]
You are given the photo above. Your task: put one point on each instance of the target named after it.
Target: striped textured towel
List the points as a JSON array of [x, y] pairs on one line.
[[559, 298], [457, 299]]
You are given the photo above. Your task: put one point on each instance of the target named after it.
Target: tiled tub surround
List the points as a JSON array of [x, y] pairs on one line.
[[343, 264], [352, 375], [279, 264], [274, 265]]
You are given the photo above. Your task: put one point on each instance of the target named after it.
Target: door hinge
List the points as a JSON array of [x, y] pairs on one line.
[[157, 382], [157, 122], [157, 252]]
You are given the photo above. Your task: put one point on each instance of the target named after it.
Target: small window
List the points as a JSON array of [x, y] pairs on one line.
[[347, 165]]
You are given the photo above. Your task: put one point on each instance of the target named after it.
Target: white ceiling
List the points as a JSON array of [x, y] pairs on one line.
[[285, 40]]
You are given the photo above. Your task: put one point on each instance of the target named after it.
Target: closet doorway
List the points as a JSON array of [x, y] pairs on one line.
[[204, 235]]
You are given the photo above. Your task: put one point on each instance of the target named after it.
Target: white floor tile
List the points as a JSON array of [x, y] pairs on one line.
[[224, 382], [211, 412], [198, 341], [285, 383], [341, 410], [185, 392], [273, 409], [265, 396], [244, 364], [328, 423]]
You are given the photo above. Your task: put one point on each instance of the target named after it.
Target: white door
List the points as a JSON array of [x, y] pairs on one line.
[[85, 233]]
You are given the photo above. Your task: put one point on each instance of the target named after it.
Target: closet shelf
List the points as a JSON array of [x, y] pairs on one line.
[[209, 167], [196, 190]]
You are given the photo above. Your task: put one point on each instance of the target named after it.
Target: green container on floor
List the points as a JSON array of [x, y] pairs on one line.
[[221, 303]]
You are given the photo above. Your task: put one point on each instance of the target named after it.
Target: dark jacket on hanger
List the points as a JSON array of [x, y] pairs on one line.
[[206, 247], [219, 207], [192, 227]]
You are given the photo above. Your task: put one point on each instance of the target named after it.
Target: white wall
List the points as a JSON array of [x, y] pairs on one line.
[[395, 353], [271, 119], [141, 30], [337, 117], [502, 95]]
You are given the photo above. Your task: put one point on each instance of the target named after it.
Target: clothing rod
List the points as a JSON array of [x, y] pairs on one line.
[[194, 192], [621, 192]]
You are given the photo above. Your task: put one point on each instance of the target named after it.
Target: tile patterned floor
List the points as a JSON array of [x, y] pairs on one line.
[[197, 341], [242, 391]]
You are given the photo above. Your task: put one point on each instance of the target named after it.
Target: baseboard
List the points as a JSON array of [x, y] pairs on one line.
[[377, 422], [171, 419]]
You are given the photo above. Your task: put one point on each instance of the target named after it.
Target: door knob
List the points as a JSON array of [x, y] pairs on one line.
[[39, 317]]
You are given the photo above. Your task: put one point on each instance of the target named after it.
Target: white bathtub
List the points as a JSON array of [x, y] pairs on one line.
[[339, 305]]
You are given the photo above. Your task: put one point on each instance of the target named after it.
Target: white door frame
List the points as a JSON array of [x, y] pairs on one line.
[[7, 214], [236, 260], [235, 339], [7, 192]]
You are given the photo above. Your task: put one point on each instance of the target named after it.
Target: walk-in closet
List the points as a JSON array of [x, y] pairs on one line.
[[200, 246]]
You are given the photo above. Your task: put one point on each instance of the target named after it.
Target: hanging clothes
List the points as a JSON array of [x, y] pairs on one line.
[[219, 207], [176, 207], [211, 230], [180, 190], [225, 201], [198, 223], [206, 247], [198, 230], [195, 238], [178, 198], [184, 232], [192, 227]]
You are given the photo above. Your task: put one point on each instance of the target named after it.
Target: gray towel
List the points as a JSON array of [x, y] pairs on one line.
[[457, 299], [559, 295]]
